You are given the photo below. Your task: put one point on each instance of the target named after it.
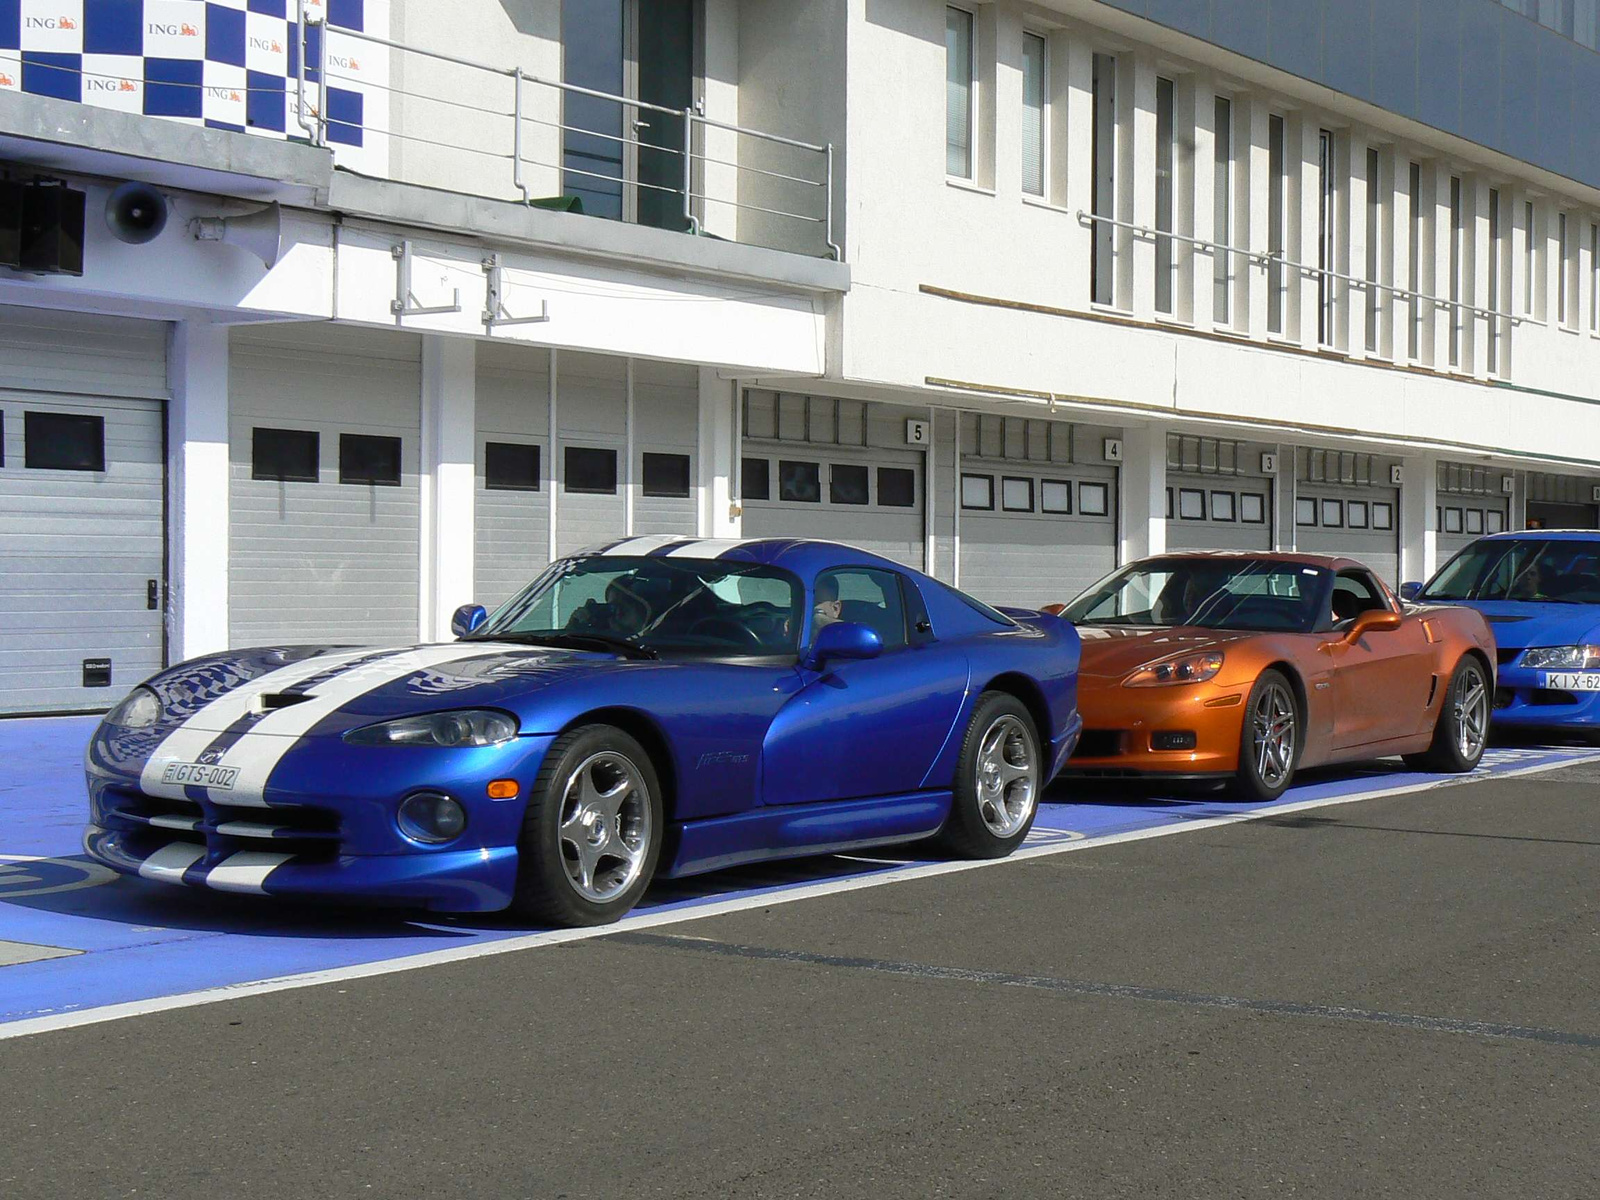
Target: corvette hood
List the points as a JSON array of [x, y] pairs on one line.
[[1115, 651], [1518, 624], [327, 689]]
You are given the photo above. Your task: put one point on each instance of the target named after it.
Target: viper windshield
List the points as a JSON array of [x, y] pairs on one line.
[[1557, 571], [1250, 594], [650, 607]]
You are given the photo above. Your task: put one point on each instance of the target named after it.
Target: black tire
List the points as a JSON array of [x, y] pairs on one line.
[[550, 863], [1462, 729], [1264, 777], [984, 786]]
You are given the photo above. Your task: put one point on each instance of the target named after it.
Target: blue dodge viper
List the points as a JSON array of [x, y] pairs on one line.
[[658, 706], [1540, 590]]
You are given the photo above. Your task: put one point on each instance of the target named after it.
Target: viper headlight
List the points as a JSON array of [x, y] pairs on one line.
[[1570, 658], [465, 727], [1189, 668], [140, 709]]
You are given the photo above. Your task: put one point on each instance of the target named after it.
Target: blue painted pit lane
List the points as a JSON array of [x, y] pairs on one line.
[[140, 941]]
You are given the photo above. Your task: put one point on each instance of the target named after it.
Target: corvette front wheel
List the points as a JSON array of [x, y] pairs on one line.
[[998, 781], [1270, 742], [591, 835]]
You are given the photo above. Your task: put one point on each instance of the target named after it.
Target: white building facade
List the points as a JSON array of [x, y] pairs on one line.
[[408, 299]]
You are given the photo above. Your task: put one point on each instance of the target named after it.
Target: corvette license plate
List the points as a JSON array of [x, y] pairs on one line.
[[200, 775], [1572, 681]]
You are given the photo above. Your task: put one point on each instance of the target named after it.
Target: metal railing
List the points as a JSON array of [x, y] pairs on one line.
[[814, 177]]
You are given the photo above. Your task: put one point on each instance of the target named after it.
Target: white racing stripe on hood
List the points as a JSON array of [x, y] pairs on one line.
[[256, 753]]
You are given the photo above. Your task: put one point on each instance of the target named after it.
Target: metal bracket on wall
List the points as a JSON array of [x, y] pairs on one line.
[[494, 305], [405, 303]]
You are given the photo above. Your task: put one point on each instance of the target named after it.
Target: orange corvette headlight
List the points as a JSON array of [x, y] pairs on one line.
[[1191, 668]]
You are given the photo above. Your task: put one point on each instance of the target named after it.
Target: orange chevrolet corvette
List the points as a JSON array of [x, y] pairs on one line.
[[1246, 667]]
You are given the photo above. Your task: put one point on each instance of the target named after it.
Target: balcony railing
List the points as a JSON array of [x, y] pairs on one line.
[[512, 134]]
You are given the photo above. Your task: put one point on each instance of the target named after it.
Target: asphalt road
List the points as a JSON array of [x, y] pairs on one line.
[[1389, 998]]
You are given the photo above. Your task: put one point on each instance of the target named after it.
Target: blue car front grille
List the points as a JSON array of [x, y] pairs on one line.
[[307, 833]]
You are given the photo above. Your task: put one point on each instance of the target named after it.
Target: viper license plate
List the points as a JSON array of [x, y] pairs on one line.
[[200, 775], [1572, 681]]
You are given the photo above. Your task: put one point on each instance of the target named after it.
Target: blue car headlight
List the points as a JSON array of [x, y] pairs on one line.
[[140, 709], [464, 727], [1569, 658]]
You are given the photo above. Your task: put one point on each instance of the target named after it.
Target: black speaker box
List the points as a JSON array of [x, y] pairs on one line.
[[52, 229], [10, 223]]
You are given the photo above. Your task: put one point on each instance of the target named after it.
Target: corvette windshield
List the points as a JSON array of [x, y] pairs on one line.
[[648, 607], [1549, 572], [1208, 593]]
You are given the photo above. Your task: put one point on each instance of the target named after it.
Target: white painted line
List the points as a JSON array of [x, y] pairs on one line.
[[650, 919]]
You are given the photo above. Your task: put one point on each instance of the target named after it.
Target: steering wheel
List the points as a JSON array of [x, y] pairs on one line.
[[727, 627]]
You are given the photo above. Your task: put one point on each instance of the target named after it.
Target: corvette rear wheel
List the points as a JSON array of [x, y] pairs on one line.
[[998, 781], [1271, 740], [1463, 727], [591, 835]]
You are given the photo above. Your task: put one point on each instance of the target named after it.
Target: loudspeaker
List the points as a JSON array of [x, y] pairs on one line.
[[52, 229], [136, 213], [260, 232], [10, 223]]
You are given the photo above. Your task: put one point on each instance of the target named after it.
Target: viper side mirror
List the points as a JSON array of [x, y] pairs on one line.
[[842, 640], [1410, 591], [468, 618]]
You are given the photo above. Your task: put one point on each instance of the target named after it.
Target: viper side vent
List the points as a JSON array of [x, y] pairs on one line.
[[270, 701]]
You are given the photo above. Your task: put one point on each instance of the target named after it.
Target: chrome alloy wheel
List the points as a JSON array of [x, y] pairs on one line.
[[1273, 729], [605, 826], [1469, 714], [1008, 776]]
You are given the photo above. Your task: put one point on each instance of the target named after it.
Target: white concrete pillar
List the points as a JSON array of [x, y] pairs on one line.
[[1419, 537], [448, 480], [1144, 492], [718, 514], [197, 473]]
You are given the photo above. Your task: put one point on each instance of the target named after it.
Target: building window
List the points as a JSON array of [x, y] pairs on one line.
[[1191, 504], [1166, 105], [1252, 508], [1414, 264], [755, 479], [897, 487], [1035, 113], [1568, 300], [284, 455], [1594, 278], [958, 92], [847, 483], [666, 474], [1326, 229], [590, 470], [54, 441], [799, 481], [1094, 499], [1305, 512], [1497, 260], [1456, 234], [369, 458], [1222, 210], [1104, 157], [1530, 257], [977, 491], [1016, 495], [1055, 496], [1374, 222], [1277, 194]]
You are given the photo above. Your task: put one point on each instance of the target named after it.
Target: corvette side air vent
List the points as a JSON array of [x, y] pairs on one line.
[[274, 700]]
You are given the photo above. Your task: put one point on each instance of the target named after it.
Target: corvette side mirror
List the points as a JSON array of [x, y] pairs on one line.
[[842, 640], [1376, 620], [468, 618], [1410, 591]]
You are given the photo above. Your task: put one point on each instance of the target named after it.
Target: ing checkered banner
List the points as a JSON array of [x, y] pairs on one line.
[[225, 64]]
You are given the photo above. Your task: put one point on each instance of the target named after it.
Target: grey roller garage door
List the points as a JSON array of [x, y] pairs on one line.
[[1345, 504], [82, 478], [666, 414], [513, 467], [820, 467], [1473, 501], [1037, 526], [324, 430], [1562, 502], [1217, 496]]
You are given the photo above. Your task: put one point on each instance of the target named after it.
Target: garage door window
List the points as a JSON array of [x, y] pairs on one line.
[[1252, 508], [1452, 520], [799, 481], [847, 483], [897, 487], [977, 491], [1055, 496], [1355, 513], [865, 597], [1332, 514], [590, 470], [755, 479], [285, 455], [1474, 520], [666, 474], [1494, 522], [1222, 508], [1191, 504], [64, 441], [1305, 512], [1016, 495], [1094, 499], [1382, 516], [510, 467], [367, 458]]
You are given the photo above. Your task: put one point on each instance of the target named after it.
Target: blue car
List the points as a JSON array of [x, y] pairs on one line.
[[658, 706], [1540, 590]]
